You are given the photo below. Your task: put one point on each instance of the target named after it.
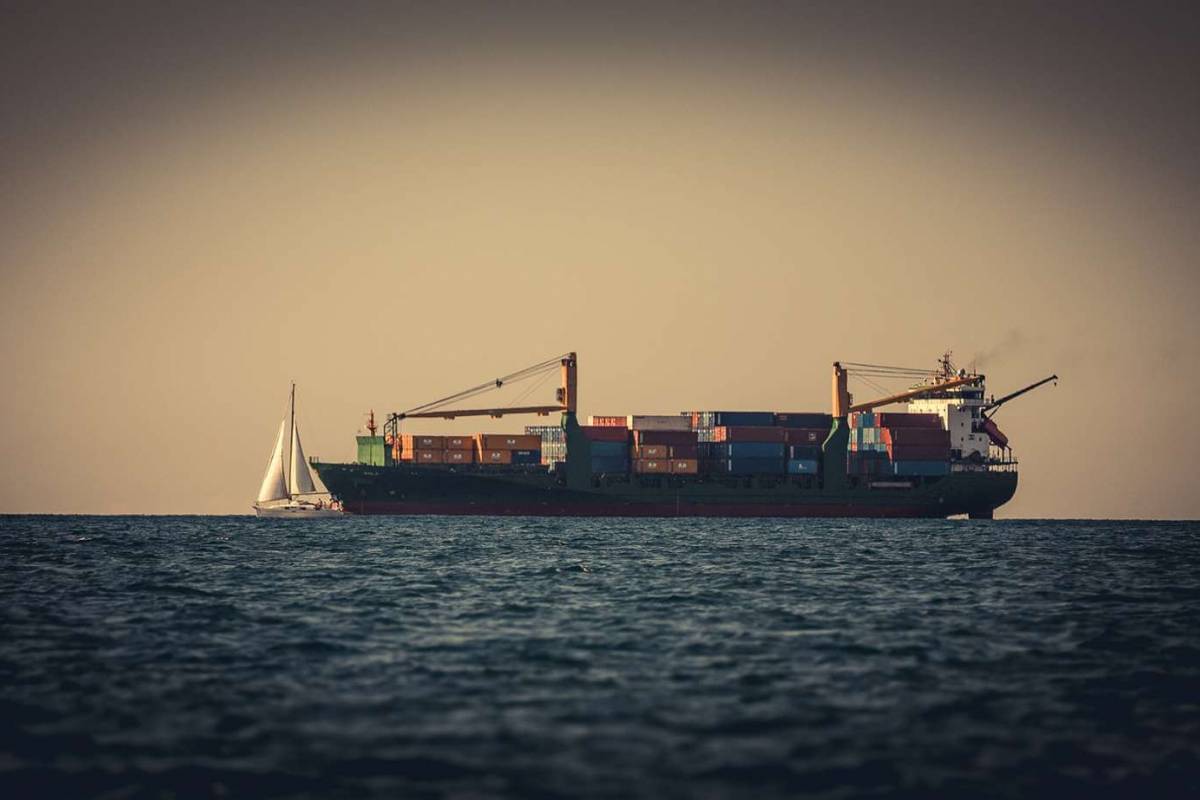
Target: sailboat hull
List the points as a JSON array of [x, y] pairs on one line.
[[296, 511]]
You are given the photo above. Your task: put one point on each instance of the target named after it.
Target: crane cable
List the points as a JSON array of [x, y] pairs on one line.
[[542, 368]]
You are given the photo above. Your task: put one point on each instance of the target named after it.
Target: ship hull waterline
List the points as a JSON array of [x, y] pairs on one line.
[[421, 491]]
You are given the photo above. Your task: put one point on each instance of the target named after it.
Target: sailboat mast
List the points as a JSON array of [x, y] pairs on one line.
[[291, 439]]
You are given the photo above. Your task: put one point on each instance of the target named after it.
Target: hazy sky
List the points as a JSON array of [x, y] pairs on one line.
[[709, 202]]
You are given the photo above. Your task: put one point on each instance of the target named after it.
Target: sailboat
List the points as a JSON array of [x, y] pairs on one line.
[[288, 481]]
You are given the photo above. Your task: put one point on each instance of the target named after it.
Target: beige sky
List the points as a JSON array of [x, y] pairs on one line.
[[704, 234]]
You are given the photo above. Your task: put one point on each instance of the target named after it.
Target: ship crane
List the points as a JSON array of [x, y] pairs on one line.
[[565, 397], [989, 427]]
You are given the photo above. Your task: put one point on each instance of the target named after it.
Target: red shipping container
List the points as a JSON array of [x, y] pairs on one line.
[[416, 442], [684, 466], [805, 435], [749, 434], [651, 465], [608, 422], [427, 456], [605, 433], [509, 441], [900, 419], [664, 437], [458, 457], [685, 451], [651, 451], [460, 442], [918, 452], [923, 436]]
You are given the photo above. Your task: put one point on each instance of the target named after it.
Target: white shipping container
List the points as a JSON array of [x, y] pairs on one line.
[[659, 422]]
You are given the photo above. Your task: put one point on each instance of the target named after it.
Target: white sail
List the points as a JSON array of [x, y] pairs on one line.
[[273, 486], [301, 478]]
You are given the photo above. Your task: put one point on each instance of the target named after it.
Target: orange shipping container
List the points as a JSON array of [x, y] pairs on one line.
[[651, 465], [458, 457], [650, 451], [460, 442], [684, 466], [415, 442], [495, 457], [509, 441], [608, 421]]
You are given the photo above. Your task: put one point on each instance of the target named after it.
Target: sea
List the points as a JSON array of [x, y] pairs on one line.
[[461, 657]]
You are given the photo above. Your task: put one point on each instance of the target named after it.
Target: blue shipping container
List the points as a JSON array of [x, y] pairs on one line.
[[526, 456], [803, 451], [749, 450], [802, 466], [754, 466], [610, 450], [609, 464], [914, 468]]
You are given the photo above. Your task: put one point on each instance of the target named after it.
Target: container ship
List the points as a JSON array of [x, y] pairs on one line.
[[942, 456]]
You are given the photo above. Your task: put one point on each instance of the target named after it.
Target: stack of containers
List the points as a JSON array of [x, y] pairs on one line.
[[749, 442], [664, 444], [609, 446], [745, 450], [899, 444], [508, 448], [805, 434], [916, 444], [458, 450], [420, 449], [554, 442]]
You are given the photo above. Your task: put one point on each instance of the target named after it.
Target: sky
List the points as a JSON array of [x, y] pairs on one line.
[[710, 203]]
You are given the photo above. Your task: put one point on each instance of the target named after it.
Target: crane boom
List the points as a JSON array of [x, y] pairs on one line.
[[1017, 393], [917, 392]]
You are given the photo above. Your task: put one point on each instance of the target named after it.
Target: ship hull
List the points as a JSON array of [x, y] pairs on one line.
[[415, 490]]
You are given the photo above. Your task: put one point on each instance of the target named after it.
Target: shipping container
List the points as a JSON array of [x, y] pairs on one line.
[[742, 433], [748, 450], [427, 456], [684, 466], [684, 451], [651, 451], [918, 452], [412, 441], [526, 456], [609, 421], [460, 443], [664, 437], [601, 433], [806, 435], [803, 466], [755, 466], [803, 419], [495, 456], [658, 422], [458, 456], [646, 465], [804, 451], [507, 441], [922, 436]]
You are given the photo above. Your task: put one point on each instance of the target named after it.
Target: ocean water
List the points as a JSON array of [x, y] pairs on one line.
[[471, 658]]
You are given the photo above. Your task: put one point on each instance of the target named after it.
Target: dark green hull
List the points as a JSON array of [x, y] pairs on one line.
[[534, 491]]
